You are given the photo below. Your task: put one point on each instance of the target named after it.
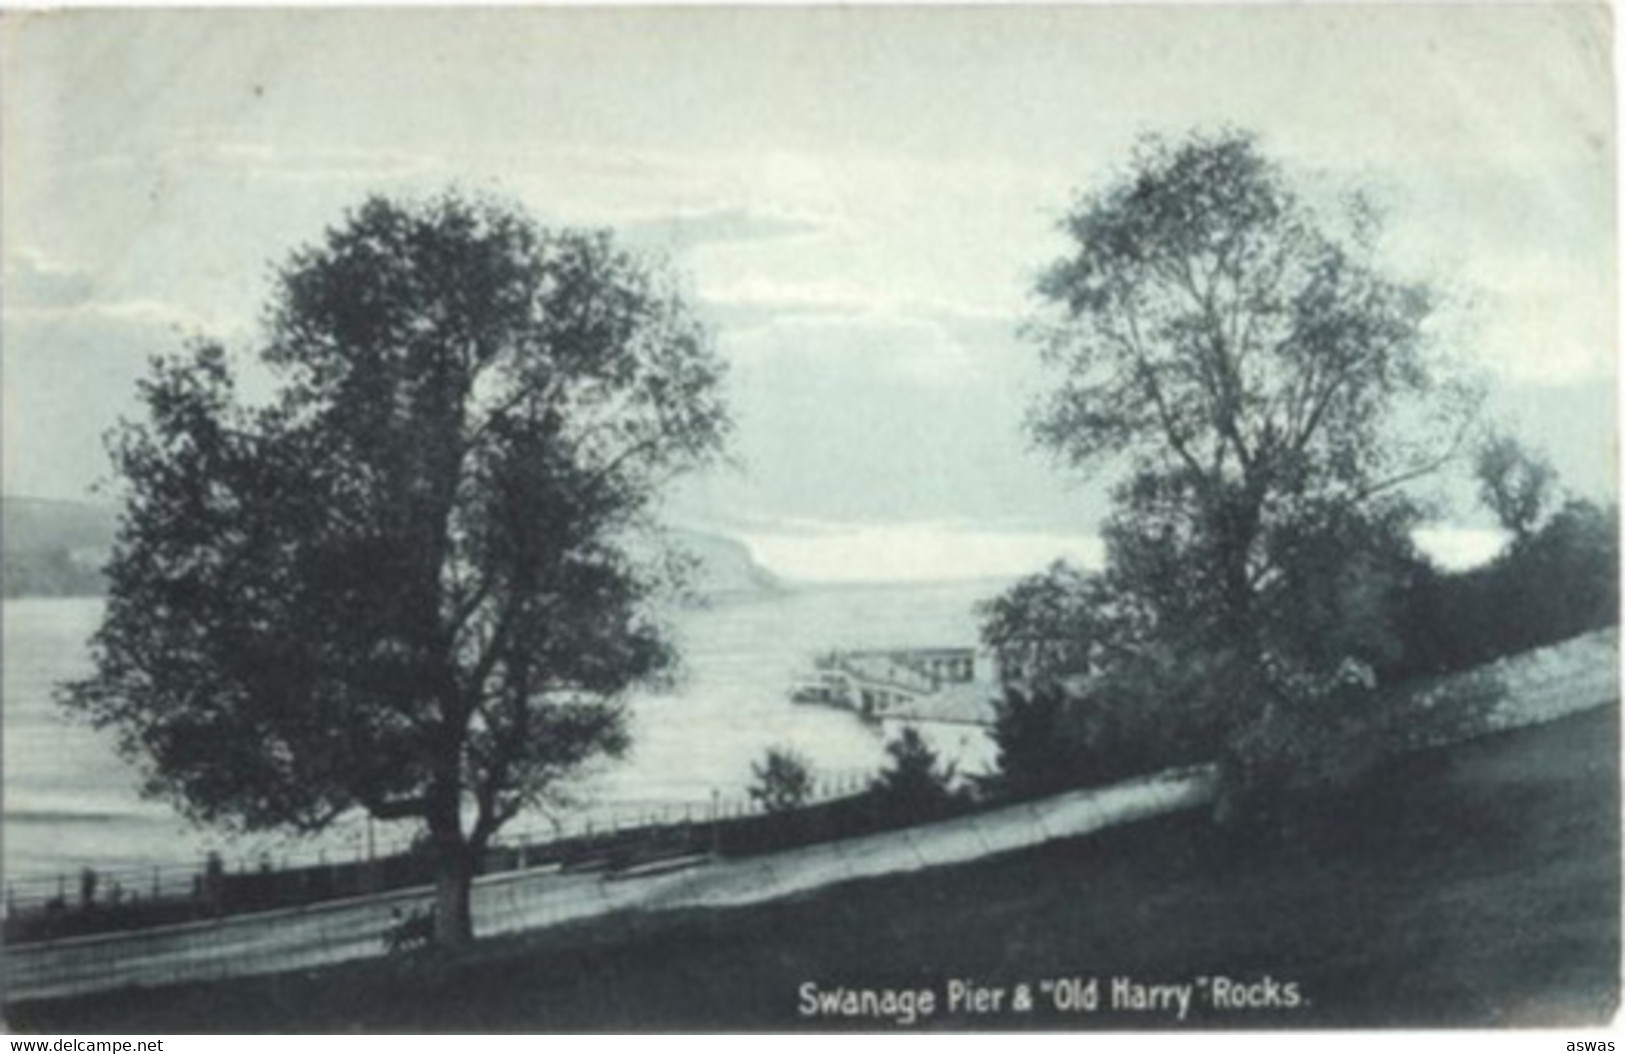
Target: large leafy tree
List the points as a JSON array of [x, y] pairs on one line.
[[403, 584], [1270, 392]]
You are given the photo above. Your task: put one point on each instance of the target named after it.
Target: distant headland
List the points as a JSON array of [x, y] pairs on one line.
[[56, 548]]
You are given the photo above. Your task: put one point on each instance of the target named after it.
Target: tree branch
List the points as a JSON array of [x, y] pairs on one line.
[[1147, 376], [395, 808]]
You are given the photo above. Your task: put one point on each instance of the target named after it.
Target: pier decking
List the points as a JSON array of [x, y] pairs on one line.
[[942, 684]]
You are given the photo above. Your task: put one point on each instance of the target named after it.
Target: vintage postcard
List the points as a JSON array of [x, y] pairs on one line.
[[779, 519]]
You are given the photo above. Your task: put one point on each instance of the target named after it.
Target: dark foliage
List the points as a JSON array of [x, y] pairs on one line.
[[1515, 483], [1559, 581], [403, 584], [781, 782], [914, 785], [1045, 627], [1037, 753]]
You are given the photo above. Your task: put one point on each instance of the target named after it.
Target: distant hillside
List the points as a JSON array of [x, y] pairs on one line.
[[33, 525], [725, 568], [53, 548], [56, 548]]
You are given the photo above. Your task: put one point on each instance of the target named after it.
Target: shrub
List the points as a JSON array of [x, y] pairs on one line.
[[1549, 585], [783, 780], [1144, 712], [915, 784], [1035, 755]]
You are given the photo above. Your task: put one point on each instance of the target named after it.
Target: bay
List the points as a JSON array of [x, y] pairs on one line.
[[70, 801]]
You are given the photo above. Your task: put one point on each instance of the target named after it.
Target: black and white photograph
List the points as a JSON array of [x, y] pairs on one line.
[[784, 519]]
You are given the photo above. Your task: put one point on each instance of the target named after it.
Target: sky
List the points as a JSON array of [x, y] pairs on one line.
[[858, 201]]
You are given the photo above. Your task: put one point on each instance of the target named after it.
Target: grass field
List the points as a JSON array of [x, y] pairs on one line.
[[1474, 887]]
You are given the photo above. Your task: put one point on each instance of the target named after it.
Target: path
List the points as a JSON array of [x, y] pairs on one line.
[[516, 902]]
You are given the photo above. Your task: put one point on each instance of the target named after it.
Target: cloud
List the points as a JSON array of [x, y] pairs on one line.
[[206, 152], [40, 292], [1460, 548], [758, 300], [1525, 259], [923, 551], [874, 347], [681, 231], [138, 314], [862, 230], [944, 550], [1550, 327], [33, 282]]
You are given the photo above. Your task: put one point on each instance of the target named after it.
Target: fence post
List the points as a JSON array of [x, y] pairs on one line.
[[716, 822]]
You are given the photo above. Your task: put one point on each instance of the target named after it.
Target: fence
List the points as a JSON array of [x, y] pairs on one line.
[[537, 898], [616, 835]]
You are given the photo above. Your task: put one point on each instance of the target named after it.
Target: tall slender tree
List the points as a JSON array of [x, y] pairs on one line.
[[1271, 393]]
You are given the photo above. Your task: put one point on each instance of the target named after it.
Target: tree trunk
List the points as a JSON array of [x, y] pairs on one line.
[[454, 868], [454, 877]]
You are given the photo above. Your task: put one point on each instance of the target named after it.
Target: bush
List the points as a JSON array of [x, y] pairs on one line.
[[783, 780], [1326, 738], [915, 785], [1548, 586], [1035, 754], [1315, 701], [1043, 629], [1146, 711]]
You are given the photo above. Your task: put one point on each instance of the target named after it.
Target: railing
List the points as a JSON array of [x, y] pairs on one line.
[[527, 900], [62, 906]]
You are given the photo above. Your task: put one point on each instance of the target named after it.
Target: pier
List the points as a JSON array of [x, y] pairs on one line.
[[903, 683]]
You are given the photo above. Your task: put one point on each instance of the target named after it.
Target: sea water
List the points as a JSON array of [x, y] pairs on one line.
[[70, 800]]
